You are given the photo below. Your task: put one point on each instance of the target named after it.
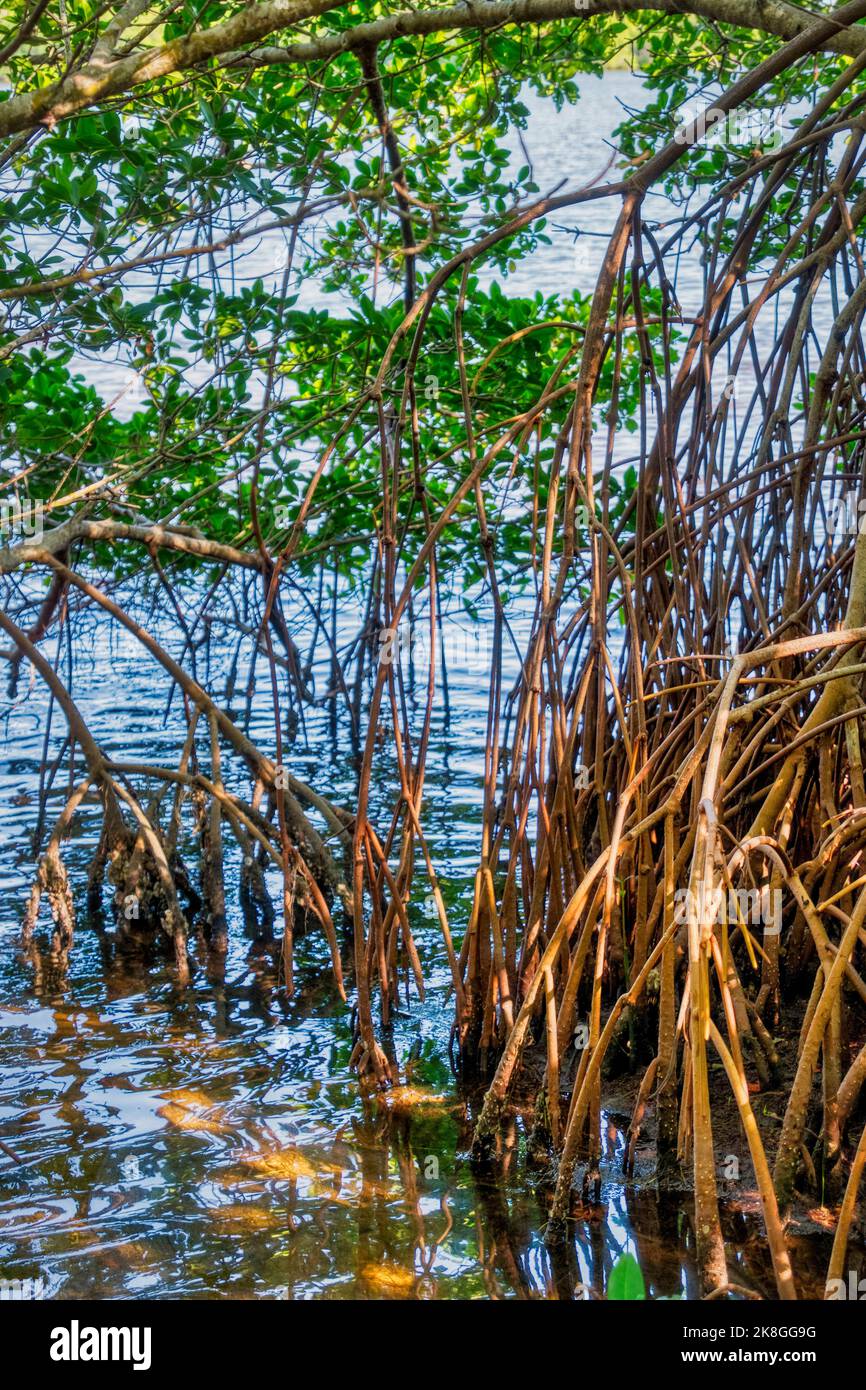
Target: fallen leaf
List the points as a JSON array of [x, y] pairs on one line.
[[192, 1110], [392, 1279], [243, 1216], [286, 1165], [411, 1098]]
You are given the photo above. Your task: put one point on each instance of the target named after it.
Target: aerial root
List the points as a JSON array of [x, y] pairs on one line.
[[371, 1063], [52, 881]]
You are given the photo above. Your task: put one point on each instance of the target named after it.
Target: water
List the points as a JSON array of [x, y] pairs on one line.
[[213, 1142]]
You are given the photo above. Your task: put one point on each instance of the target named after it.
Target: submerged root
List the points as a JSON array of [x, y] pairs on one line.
[[486, 1137], [540, 1143], [51, 882], [255, 900]]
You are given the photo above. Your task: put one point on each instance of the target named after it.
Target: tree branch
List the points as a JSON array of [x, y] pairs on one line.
[[770, 16], [58, 540], [101, 77]]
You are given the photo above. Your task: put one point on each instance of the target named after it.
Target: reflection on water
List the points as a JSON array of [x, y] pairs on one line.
[[214, 1143]]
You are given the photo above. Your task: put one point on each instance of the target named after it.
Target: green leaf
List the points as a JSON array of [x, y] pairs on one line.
[[626, 1281]]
